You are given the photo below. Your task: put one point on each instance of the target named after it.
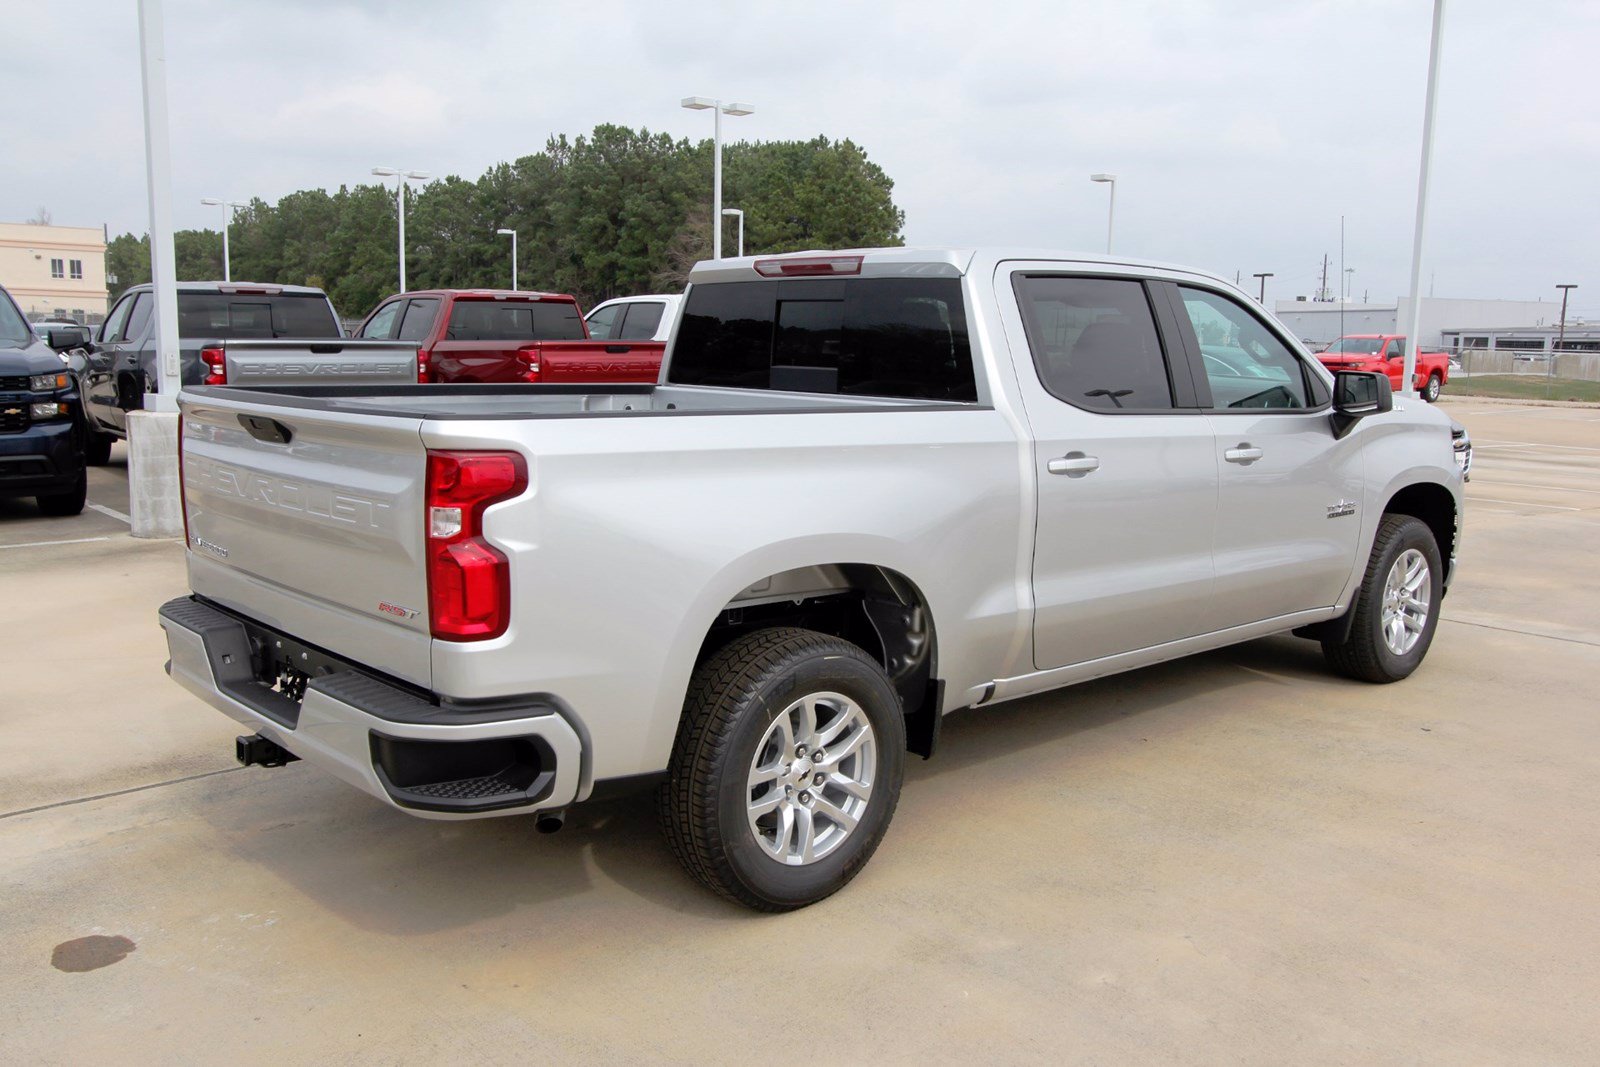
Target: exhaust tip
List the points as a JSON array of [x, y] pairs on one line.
[[549, 822]]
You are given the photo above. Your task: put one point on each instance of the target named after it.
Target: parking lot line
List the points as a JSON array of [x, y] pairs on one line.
[[44, 544], [113, 512], [1530, 485], [1521, 503], [1530, 444]]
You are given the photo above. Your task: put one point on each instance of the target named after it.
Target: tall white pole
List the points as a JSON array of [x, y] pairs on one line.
[[741, 244], [227, 219], [400, 201], [1414, 327], [513, 260], [158, 178], [1111, 215], [716, 182]]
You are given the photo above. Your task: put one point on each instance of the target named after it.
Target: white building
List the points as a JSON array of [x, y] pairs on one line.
[[54, 271], [1320, 324]]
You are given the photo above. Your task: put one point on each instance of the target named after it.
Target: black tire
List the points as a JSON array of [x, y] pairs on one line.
[[67, 503], [1430, 392], [733, 701], [1364, 654], [97, 448]]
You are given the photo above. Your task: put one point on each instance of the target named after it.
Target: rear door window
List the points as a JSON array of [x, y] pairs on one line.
[[418, 321], [514, 320], [643, 318], [1094, 342], [891, 337]]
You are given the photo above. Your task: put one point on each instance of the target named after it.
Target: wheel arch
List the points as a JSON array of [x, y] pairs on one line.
[[1434, 505]]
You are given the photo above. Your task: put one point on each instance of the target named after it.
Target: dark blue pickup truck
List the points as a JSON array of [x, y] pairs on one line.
[[42, 430]]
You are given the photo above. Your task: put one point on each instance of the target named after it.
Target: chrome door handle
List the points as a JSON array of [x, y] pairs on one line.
[[1073, 463], [1243, 454]]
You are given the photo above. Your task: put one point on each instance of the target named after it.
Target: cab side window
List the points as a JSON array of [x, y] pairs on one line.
[[602, 322], [143, 304], [418, 322], [111, 329], [1094, 342], [1396, 349], [381, 325], [1246, 365]]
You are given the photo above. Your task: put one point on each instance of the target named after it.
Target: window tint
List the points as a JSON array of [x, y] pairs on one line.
[[897, 337], [642, 320], [109, 330], [139, 318], [14, 329], [514, 320], [1246, 365], [418, 320], [1396, 349], [381, 325], [236, 316], [1094, 342], [602, 322]]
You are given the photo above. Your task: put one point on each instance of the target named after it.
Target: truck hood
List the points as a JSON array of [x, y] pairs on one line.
[[34, 358]]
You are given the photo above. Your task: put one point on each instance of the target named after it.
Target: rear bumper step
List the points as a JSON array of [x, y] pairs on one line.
[[433, 761]]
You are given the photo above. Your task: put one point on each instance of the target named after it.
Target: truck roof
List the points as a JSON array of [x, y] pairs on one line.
[[921, 262], [235, 286], [491, 294]]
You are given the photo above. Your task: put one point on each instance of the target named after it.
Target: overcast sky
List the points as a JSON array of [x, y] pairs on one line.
[[1239, 131]]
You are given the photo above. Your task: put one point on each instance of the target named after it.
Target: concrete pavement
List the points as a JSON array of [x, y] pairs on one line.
[[1234, 858]]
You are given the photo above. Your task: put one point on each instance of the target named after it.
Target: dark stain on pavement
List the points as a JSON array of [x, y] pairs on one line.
[[90, 953]]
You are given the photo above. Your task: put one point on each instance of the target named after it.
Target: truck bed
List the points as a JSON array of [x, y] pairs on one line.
[[515, 401]]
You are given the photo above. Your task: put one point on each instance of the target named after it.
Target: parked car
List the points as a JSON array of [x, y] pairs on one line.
[[118, 366], [497, 335], [41, 419], [871, 489], [1384, 353], [634, 318]]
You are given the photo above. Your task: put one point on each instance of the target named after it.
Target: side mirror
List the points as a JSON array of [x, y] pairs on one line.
[[64, 338], [1357, 394]]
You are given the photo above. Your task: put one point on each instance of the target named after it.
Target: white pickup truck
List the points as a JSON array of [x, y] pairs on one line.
[[870, 489]]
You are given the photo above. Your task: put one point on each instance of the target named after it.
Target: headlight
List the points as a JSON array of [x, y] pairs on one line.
[[47, 411], [48, 383]]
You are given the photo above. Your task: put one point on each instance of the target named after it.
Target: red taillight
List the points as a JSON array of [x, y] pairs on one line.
[[216, 361], [808, 267], [528, 363], [469, 580], [424, 371]]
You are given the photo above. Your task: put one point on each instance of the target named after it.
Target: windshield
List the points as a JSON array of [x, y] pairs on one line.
[[1364, 345], [13, 327]]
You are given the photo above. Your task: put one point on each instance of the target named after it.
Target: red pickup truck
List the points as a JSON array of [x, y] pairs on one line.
[[498, 335], [1385, 353]]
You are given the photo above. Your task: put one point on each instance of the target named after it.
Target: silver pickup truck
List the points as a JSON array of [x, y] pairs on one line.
[[229, 333], [870, 489]]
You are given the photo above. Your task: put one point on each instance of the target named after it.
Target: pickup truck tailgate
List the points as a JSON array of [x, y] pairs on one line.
[[311, 522], [288, 362]]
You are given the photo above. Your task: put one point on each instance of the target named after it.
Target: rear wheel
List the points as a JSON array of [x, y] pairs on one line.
[[786, 769], [69, 502], [1397, 608], [1430, 392]]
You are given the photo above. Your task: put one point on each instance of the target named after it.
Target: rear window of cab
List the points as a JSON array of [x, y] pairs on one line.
[[889, 337], [514, 320]]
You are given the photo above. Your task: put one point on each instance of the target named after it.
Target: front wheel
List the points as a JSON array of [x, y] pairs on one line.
[[786, 769], [68, 503], [1430, 392], [1397, 608]]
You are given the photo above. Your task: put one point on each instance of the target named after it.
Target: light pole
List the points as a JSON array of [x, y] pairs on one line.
[[1262, 299], [736, 211], [400, 178], [1408, 377], [1111, 211], [1561, 334], [228, 207], [718, 109], [1349, 282], [513, 234]]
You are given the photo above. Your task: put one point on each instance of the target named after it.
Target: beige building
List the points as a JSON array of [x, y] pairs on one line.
[[54, 271]]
